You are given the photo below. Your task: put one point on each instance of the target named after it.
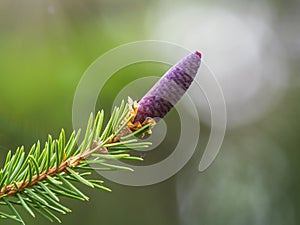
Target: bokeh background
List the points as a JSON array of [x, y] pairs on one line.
[[252, 46]]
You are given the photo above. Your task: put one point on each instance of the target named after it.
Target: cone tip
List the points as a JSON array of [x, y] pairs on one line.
[[198, 53]]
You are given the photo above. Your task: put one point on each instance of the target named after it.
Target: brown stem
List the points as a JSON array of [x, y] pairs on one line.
[[71, 162], [10, 189]]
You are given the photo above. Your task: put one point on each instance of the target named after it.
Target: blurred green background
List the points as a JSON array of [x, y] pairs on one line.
[[45, 47]]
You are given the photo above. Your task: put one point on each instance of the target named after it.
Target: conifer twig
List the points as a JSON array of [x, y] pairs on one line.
[[38, 179]]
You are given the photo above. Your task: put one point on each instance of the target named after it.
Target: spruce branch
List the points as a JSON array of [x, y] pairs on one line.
[[38, 179]]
